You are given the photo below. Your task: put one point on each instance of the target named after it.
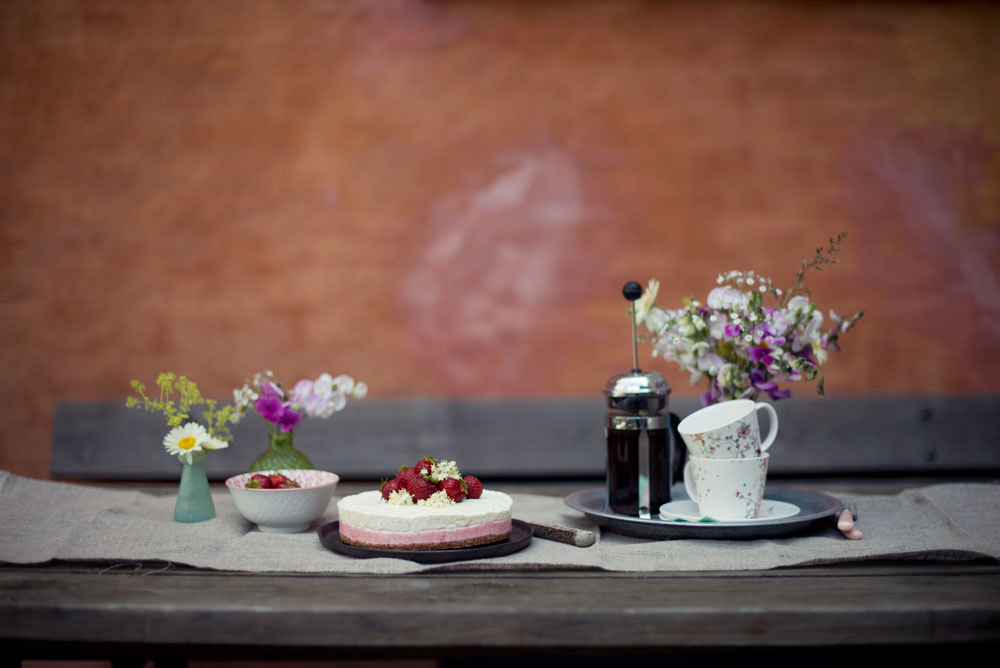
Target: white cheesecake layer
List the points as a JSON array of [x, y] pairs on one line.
[[369, 511]]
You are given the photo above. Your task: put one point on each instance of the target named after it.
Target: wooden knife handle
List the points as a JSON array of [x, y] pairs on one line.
[[568, 535]]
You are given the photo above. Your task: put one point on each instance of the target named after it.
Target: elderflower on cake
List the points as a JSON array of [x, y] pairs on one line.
[[427, 507]]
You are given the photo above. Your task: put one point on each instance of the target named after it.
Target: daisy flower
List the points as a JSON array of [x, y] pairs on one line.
[[186, 440]]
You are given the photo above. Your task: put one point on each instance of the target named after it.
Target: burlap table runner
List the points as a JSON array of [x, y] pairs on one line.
[[42, 521]]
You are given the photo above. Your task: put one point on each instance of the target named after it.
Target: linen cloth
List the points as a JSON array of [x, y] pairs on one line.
[[42, 521]]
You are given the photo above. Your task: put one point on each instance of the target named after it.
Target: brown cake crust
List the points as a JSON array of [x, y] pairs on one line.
[[453, 545]]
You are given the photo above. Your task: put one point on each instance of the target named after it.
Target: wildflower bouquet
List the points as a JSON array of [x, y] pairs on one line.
[[187, 439], [739, 346], [283, 411]]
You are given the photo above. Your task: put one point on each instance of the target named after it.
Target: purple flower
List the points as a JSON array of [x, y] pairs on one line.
[[732, 330], [269, 390], [289, 419], [269, 407], [759, 379], [711, 395], [759, 354]]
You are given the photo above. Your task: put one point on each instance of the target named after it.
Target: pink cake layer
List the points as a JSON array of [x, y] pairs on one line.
[[470, 535]]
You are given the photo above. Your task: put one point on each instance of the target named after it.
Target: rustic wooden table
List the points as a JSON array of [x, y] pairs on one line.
[[904, 610]]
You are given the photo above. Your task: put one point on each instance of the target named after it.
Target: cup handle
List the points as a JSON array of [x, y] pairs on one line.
[[689, 487], [772, 429]]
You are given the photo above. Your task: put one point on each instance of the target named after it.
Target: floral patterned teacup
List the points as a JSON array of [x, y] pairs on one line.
[[728, 430], [726, 489]]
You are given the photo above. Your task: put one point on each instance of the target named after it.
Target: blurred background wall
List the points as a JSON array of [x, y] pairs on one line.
[[444, 198]]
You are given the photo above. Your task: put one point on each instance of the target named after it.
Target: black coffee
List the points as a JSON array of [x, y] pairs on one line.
[[623, 471]]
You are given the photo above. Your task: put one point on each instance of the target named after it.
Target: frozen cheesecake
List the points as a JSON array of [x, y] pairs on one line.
[[427, 507]]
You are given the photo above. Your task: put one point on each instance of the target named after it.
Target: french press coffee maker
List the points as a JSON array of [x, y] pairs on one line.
[[645, 452]]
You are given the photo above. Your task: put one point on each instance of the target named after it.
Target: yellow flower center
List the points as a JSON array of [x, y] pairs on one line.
[[186, 443]]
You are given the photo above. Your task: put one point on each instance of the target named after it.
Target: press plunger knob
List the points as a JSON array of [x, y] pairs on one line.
[[632, 291]]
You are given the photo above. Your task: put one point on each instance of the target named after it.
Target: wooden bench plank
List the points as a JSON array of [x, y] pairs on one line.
[[547, 438]]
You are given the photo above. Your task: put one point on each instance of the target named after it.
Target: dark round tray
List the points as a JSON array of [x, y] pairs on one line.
[[814, 508], [520, 536]]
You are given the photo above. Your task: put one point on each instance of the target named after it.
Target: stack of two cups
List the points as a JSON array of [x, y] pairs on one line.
[[727, 465]]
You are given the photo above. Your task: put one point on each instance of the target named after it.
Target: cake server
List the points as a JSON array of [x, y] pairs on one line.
[[568, 535]]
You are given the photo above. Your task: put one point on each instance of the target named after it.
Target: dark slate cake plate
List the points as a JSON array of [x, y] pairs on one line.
[[520, 536]]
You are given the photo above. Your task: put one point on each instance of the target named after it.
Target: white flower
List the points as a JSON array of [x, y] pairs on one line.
[[750, 280], [344, 383], [360, 391], [717, 330], [186, 440], [811, 333], [446, 468], [438, 499], [710, 364], [323, 385], [644, 304], [262, 376], [727, 298], [820, 353], [798, 304], [214, 444], [400, 497]]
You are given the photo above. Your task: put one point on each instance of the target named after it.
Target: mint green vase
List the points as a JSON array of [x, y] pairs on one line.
[[194, 498], [281, 455]]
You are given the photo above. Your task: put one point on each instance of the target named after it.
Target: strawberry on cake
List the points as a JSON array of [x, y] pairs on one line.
[[428, 507]]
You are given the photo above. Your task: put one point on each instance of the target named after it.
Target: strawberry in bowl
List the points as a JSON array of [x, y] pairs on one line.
[[283, 501]]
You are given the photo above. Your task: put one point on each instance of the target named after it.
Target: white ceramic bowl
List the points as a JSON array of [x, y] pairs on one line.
[[284, 510]]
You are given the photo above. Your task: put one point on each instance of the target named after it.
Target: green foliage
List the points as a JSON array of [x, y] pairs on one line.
[[178, 410]]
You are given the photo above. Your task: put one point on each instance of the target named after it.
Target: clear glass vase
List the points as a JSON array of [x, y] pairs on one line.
[[194, 498], [281, 454]]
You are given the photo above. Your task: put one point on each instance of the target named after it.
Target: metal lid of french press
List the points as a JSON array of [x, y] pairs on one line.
[[636, 383]]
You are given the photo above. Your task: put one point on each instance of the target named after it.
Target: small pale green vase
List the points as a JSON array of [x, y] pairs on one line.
[[194, 498], [281, 455]]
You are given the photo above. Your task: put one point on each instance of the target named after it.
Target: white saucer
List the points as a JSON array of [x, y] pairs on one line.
[[686, 510]]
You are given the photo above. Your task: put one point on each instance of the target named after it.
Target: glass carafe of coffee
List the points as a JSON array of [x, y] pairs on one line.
[[645, 453]]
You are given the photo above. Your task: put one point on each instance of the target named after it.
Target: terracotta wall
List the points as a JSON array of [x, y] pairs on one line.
[[445, 198]]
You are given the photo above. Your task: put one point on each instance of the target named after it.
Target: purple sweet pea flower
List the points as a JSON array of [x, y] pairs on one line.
[[732, 330], [269, 407], [711, 395], [289, 419], [269, 390], [759, 379], [759, 354]]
